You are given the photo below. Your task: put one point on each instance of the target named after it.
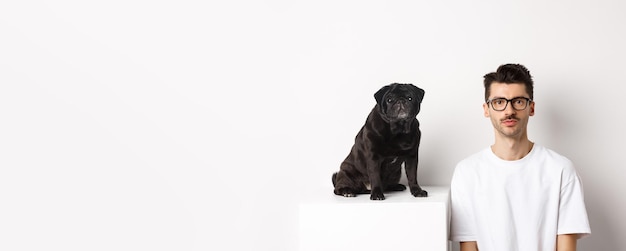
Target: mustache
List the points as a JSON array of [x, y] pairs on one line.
[[509, 118]]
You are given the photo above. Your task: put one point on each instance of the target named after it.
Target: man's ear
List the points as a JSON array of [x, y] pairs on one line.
[[486, 110]]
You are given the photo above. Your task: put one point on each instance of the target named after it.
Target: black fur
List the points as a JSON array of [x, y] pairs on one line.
[[390, 137]]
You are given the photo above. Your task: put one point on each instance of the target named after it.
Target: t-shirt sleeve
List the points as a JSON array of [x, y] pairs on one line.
[[572, 212], [462, 224]]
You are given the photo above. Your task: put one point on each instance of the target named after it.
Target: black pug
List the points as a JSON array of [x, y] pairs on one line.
[[390, 137]]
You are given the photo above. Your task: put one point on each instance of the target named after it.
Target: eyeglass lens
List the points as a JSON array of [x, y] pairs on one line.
[[500, 104]]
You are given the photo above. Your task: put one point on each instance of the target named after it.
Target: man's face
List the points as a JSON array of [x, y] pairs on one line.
[[509, 122]]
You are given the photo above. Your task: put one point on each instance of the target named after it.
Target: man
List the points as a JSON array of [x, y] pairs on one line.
[[515, 195]]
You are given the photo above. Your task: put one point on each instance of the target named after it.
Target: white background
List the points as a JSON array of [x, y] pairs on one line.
[[195, 125]]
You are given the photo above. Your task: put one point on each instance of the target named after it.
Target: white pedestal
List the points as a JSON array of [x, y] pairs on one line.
[[328, 222]]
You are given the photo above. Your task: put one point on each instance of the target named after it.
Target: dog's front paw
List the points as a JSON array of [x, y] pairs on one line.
[[418, 192], [377, 194]]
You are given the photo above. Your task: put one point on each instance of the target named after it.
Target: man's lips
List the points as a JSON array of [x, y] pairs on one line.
[[509, 122]]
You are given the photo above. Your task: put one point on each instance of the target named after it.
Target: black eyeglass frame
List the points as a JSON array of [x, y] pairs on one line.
[[528, 101]]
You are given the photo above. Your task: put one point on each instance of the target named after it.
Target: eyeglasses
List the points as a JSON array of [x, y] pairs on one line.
[[519, 103]]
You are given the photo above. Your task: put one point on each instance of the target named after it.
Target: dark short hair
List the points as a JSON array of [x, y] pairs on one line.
[[509, 74]]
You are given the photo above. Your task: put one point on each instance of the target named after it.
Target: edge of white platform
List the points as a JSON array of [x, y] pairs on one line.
[[334, 223]]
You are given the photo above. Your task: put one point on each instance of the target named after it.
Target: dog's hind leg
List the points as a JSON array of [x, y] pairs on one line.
[[347, 186]]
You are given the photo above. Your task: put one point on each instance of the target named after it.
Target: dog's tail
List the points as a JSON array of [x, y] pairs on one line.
[[334, 179]]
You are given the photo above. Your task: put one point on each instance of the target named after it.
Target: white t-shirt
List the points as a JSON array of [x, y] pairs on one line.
[[519, 205]]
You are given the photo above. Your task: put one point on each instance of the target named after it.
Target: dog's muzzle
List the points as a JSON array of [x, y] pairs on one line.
[[400, 109]]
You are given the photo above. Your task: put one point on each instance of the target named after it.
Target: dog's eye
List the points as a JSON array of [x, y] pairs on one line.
[[389, 100], [409, 98]]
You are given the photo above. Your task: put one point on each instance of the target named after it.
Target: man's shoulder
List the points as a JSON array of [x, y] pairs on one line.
[[555, 160], [551, 155]]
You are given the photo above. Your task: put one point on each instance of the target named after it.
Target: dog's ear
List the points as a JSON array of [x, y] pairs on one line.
[[381, 93], [418, 91]]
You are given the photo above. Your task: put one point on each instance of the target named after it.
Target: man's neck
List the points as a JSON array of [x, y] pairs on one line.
[[512, 149]]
